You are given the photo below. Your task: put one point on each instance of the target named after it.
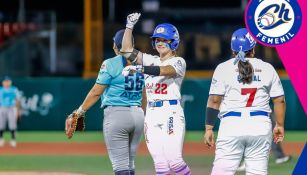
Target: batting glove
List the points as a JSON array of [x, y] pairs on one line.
[[130, 69], [132, 19]]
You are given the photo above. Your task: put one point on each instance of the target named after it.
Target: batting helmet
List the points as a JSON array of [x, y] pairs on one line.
[[7, 78], [241, 40], [166, 31], [118, 38]]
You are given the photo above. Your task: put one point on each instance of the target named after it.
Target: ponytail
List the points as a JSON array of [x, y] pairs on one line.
[[246, 70]]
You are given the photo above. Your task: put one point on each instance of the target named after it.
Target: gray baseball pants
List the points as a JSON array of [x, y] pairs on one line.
[[8, 114], [122, 129]]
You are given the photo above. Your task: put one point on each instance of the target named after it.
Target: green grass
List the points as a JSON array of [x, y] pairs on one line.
[[290, 136], [97, 165], [95, 136], [279, 169], [100, 165]]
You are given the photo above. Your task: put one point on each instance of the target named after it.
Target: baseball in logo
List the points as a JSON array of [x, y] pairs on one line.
[[273, 22]]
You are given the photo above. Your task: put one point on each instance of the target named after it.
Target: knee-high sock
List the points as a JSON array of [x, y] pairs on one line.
[[131, 172], [1, 134], [13, 133], [180, 168]]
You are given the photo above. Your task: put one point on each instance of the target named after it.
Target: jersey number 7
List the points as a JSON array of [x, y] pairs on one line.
[[252, 92]]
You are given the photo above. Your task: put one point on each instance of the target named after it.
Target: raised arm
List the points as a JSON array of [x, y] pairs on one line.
[[127, 49]]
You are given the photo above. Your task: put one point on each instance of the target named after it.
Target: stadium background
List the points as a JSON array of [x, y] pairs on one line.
[[53, 50]]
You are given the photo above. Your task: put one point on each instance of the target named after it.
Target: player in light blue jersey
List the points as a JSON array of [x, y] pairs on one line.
[[121, 100], [9, 105]]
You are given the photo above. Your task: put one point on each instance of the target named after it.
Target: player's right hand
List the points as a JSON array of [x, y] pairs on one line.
[[278, 134], [209, 138], [132, 19], [131, 69]]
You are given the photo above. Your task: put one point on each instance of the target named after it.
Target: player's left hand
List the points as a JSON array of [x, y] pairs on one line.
[[130, 69], [209, 138], [278, 134], [132, 19], [74, 122]]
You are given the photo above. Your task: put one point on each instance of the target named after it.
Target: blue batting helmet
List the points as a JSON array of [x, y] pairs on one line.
[[169, 32], [118, 38], [241, 40]]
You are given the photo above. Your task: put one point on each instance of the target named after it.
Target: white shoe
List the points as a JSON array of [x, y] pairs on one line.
[[2, 142], [241, 167], [13, 143], [282, 160]]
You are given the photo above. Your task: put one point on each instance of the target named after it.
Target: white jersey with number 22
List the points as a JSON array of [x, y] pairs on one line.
[[163, 87]]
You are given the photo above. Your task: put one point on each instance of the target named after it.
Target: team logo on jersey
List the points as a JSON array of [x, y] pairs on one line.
[[160, 30], [103, 67], [178, 64], [145, 132], [273, 22], [213, 81], [170, 125]]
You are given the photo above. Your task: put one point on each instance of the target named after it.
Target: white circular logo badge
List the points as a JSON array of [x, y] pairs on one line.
[[273, 22]]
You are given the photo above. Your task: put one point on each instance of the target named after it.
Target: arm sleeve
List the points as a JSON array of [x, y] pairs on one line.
[[179, 65], [276, 88], [148, 60], [218, 86], [104, 75]]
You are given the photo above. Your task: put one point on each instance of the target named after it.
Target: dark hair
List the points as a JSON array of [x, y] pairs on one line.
[[246, 70], [118, 38]]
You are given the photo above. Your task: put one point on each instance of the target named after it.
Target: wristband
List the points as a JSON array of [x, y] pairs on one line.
[[151, 70], [211, 115], [80, 111]]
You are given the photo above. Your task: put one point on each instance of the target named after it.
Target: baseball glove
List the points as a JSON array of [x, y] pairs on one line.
[[74, 122]]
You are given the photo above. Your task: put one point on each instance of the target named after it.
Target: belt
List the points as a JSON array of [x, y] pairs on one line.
[[104, 107], [252, 114], [161, 102]]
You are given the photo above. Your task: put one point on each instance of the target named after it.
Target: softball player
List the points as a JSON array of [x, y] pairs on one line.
[[164, 126], [239, 95], [121, 97], [9, 104]]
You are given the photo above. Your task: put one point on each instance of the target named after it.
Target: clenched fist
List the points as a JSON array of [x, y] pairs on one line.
[[132, 19]]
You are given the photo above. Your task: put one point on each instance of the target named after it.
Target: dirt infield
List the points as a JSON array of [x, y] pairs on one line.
[[190, 148]]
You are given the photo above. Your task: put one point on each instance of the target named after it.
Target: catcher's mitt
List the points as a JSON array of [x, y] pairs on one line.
[[74, 122]]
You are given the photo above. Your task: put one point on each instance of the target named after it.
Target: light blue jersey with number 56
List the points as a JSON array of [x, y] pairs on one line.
[[120, 91]]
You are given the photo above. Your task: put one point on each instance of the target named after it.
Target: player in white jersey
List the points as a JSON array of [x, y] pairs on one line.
[[164, 126], [240, 92]]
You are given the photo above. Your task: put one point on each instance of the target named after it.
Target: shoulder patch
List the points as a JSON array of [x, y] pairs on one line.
[[213, 81], [103, 66], [179, 63]]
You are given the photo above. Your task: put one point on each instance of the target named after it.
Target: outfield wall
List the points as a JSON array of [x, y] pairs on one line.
[[47, 101]]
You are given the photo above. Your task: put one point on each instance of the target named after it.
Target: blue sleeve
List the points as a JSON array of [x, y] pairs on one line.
[[104, 75], [17, 94]]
